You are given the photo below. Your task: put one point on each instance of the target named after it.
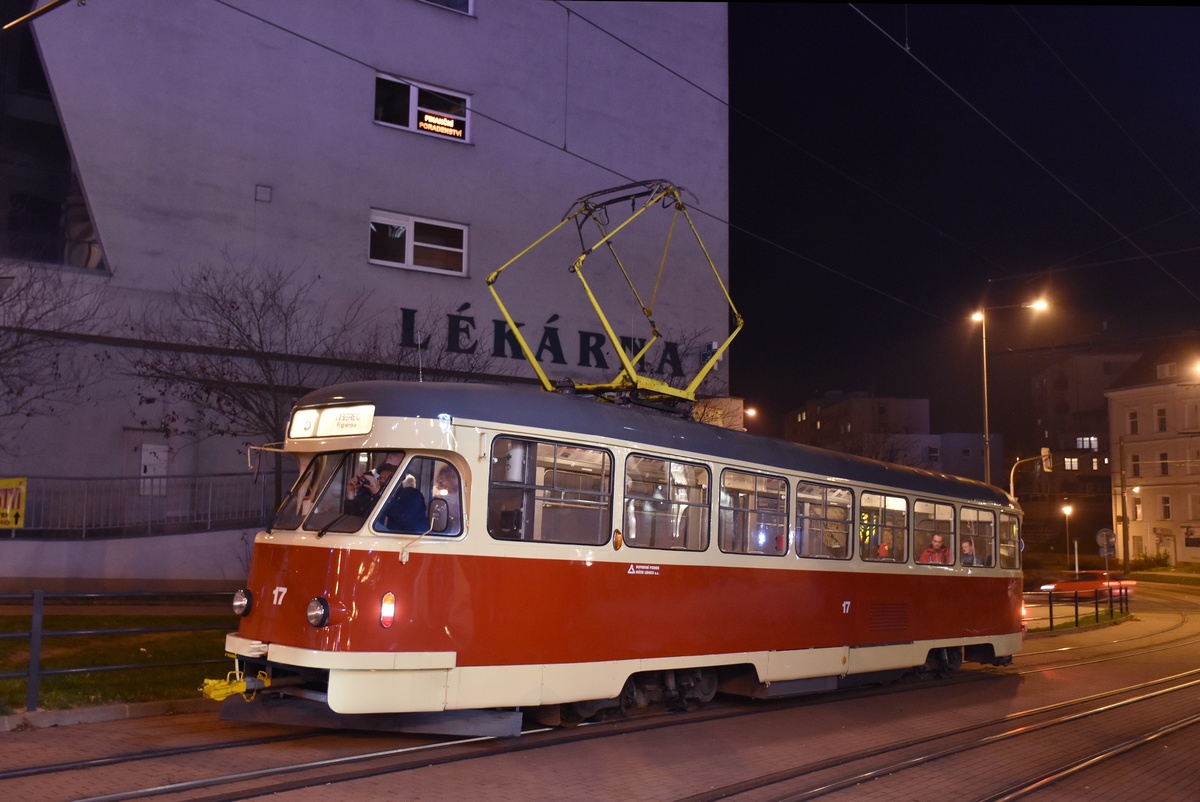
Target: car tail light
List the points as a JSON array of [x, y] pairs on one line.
[[387, 611]]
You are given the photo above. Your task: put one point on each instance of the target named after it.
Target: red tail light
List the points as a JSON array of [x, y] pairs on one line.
[[387, 611]]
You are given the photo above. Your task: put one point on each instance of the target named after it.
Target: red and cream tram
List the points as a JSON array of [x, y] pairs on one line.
[[474, 551]]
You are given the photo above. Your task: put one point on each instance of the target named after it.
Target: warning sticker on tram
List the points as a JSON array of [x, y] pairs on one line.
[[12, 503], [651, 570]]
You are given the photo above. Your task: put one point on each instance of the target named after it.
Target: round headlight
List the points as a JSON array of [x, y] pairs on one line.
[[242, 602], [317, 612]]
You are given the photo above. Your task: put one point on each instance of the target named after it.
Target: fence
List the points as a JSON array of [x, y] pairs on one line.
[[57, 507], [1070, 602], [36, 601]]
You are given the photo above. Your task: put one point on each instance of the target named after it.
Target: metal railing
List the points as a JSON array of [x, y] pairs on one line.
[[37, 632], [1076, 605], [58, 507]]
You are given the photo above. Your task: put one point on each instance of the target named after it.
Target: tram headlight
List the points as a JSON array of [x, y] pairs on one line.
[[317, 612], [242, 602]]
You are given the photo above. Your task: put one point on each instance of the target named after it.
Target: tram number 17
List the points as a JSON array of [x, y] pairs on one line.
[[279, 592], [845, 608]]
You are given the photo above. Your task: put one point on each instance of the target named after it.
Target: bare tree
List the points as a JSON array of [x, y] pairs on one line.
[[232, 350], [45, 316]]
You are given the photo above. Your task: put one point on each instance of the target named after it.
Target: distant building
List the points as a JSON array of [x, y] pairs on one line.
[[1154, 426], [888, 429], [1071, 419]]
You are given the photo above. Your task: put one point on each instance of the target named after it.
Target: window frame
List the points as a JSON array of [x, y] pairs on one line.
[[415, 108], [753, 516], [923, 535], [878, 529], [410, 222], [965, 513], [827, 522], [540, 498], [673, 506]]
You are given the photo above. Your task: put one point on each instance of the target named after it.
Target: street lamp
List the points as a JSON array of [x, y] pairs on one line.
[[1066, 510], [980, 318]]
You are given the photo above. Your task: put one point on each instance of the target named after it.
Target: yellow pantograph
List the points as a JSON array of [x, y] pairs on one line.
[[642, 196]]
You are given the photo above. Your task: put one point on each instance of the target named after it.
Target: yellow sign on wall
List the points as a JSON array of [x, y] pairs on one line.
[[12, 503]]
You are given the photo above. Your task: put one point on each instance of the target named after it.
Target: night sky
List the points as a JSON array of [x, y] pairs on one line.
[[894, 167]]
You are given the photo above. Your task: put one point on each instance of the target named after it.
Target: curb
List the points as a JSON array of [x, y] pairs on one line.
[[93, 715]]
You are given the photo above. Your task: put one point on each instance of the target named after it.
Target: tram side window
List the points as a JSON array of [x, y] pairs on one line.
[[1010, 541], [666, 504], [883, 528], [753, 515], [978, 527], [549, 492], [933, 533], [426, 500], [823, 521]]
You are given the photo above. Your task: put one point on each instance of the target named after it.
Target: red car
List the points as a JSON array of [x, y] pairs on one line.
[[1088, 581]]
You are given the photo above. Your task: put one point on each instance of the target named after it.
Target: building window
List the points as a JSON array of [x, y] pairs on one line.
[[1133, 423], [424, 109], [935, 454], [1164, 467], [966, 452], [1137, 508], [1160, 419], [1087, 443], [1095, 464], [1070, 463], [1167, 370], [1135, 465], [1166, 508], [399, 240], [461, 6]]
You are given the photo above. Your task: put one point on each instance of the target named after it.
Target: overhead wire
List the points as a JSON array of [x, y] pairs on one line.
[[1033, 159]]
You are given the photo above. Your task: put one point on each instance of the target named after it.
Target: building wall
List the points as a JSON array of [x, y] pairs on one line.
[[201, 133], [1156, 469]]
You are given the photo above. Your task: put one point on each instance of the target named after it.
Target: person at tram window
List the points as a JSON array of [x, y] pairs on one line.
[[366, 488], [936, 552], [405, 510], [968, 554]]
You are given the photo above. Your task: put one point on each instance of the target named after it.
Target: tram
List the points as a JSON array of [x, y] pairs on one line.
[[455, 556]]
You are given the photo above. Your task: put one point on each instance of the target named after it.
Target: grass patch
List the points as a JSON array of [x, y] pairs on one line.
[[152, 675], [1068, 622]]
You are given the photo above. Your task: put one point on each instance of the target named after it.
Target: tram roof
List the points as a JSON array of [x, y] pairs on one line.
[[576, 415]]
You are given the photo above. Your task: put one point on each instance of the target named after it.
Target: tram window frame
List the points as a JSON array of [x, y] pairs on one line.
[[673, 506], [823, 518], [735, 524], [1010, 540], [883, 522], [972, 525], [924, 528], [440, 484], [521, 503]]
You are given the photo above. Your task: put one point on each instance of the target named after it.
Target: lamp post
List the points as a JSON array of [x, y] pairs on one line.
[[980, 317], [1066, 510]]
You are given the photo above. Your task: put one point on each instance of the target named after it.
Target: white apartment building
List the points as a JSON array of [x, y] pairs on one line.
[[394, 152], [1154, 423]]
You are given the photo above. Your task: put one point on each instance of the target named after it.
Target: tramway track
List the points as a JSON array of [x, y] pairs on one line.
[[846, 772]]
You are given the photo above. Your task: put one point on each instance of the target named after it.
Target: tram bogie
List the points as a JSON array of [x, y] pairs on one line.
[[458, 553]]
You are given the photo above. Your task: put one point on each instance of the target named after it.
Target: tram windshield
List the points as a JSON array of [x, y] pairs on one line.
[[339, 491]]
